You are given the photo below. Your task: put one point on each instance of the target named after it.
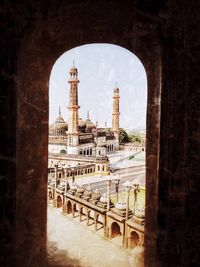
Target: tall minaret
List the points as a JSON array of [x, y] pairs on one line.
[[72, 146], [115, 116]]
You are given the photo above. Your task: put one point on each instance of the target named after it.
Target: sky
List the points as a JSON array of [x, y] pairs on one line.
[[100, 68]]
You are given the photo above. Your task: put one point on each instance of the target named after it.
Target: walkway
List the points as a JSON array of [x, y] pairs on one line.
[[73, 244]]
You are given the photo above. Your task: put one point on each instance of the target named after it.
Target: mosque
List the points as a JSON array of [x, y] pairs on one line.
[[83, 137]]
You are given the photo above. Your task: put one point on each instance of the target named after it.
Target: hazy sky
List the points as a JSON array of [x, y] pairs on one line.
[[100, 66]]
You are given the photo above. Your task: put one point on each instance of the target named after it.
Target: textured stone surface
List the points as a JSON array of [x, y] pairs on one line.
[[165, 36]]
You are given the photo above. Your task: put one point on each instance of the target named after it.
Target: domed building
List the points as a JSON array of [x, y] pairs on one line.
[[58, 135], [89, 124], [79, 137], [59, 127]]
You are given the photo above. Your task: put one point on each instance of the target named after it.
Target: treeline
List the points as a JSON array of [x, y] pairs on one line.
[[124, 137]]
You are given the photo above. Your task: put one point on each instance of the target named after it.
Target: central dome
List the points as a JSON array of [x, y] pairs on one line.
[[59, 127]]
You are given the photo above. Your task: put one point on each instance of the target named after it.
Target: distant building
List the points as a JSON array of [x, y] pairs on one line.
[[83, 137]]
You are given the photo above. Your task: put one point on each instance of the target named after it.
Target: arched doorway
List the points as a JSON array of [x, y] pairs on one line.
[[69, 207], [59, 201], [115, 230], [40, 53], [134, 239]]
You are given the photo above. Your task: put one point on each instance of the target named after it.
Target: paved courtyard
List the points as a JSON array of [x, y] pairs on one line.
[[73, 244]]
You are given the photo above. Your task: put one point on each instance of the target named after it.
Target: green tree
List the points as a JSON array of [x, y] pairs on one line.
[[123, 136], [135, 138]]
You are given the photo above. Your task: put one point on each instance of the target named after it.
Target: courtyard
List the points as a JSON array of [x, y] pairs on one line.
[[73, 244]]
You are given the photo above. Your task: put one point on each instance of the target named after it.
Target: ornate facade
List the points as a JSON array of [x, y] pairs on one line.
[[83, 137]]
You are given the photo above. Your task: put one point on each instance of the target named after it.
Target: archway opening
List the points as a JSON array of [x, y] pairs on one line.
[[134, 239], [124, 138], [69, 207], [115, 230], [59, 201], [63, 151]]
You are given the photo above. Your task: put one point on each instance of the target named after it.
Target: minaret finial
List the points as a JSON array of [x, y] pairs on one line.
[[59, 111], [88, 114], [116, 84], [73, 62]]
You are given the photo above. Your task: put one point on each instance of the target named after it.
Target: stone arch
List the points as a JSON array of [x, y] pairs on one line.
[[63, 151], [59, 201], [69, 207], [41, 52], [115, 230], [134, 239]]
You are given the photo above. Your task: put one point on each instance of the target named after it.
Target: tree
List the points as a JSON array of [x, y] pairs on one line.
[[135, 138], [123, 136]]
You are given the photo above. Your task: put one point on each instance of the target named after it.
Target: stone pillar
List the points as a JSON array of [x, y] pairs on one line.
[[56, 174], [95, 220], [88, 213], [107, 229], [54, 198], [127, 203], [104, 225], [64, 204], [80, 213], [125, 236], [108, 182], [73, 215]]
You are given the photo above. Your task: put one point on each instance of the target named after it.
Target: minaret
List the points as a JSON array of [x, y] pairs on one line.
[[116, 113], [115, 116], [73, 107]]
